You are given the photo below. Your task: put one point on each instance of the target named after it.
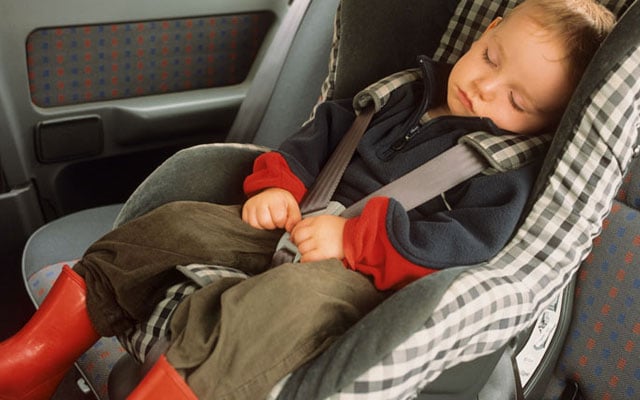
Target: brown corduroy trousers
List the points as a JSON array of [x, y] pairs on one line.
[[235, 338]]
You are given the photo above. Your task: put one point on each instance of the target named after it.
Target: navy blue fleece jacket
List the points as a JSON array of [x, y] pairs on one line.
[[468, 224]]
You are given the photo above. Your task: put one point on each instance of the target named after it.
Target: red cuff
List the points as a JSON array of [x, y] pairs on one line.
[[368, 250], [271, 170]]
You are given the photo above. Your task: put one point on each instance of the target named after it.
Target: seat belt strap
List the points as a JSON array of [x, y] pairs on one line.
[[432, 178], [318, 197], [253, 107]]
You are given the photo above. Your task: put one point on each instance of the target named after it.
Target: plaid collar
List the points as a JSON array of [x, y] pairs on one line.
[[503, 153]]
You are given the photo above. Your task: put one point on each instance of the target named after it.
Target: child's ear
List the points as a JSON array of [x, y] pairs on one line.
[[493, 24]]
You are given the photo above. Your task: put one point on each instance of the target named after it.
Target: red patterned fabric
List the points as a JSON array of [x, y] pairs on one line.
[[78, 64], [603, 343]]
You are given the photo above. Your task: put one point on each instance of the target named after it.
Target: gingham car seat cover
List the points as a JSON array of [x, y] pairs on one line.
[[547, 249]]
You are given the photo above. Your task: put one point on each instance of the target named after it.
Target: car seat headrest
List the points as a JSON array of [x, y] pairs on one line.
[[376, 38]]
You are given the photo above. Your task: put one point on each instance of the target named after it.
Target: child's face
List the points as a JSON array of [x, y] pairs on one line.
[[516, 74]]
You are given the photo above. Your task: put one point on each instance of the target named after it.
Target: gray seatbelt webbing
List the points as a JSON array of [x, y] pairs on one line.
[[322, 190], [432, 178], [255, 103]]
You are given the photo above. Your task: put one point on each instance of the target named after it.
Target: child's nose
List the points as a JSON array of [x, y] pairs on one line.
[[487, 88]]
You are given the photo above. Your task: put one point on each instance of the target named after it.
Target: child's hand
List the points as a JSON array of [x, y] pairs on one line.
[[319, 238], [270, 209]]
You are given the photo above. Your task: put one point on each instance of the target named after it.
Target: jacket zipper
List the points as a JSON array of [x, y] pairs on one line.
[[400, 143], [413, 127]]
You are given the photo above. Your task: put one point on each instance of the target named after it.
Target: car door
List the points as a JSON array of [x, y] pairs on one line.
[[94, 95]]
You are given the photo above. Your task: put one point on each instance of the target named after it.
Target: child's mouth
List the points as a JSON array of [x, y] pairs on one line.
[[464, 99]]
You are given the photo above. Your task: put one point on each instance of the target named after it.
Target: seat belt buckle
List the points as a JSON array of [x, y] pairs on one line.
[[286, 251]]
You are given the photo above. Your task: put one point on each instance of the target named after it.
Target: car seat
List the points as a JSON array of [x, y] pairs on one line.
[[589, 155]]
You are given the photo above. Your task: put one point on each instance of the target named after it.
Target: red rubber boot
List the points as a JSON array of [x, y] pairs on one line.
[[162, 382], [34, 360]]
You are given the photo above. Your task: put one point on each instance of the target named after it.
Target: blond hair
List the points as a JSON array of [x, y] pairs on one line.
[[582, 25]]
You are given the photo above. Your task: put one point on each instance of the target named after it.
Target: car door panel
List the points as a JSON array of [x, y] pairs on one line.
[[94, 95]]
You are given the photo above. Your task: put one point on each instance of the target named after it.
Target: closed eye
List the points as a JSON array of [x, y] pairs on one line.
[[514, 104], [487, 59]]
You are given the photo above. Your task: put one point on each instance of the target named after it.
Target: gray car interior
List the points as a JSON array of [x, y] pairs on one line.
[[40, 194]]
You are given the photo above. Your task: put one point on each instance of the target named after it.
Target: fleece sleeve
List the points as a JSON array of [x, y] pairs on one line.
[[367, 249], [395, 247], [299, 159], [271, 170]]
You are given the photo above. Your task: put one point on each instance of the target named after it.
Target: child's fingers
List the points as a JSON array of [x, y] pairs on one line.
[[300, 233], [258, 217], [293, 216], [249, 216], [253, 220], [319, 238], [305, 236], [309, 250], [278, 216]]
